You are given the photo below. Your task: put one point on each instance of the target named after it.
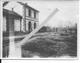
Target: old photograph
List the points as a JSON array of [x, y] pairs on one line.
[[40, 29]]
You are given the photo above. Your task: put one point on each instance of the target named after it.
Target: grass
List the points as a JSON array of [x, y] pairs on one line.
[[50, 47]]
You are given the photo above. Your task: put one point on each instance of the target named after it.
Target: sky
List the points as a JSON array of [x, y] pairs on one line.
[[67, 15]]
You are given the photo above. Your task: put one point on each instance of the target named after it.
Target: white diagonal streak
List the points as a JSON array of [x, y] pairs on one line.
[[38, 28]]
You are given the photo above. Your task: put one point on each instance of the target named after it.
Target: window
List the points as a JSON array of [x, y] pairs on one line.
[[29, 12], [37, 16], [4, 24], [22, 25], [26, 25], [30, 26], [32, 13], [34, 25], [17, 25], [26, 11]]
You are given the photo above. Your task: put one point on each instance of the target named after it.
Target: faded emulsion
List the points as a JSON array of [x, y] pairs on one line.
[[25, 37]]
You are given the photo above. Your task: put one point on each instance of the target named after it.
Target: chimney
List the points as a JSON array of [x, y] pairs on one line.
[[25, 3], [12, 9]]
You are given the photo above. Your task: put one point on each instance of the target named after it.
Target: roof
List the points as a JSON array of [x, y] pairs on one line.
[[31, 7], [25, 4], [5, 11]]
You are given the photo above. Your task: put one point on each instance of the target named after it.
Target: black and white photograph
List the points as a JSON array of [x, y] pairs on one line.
[[40, 29]]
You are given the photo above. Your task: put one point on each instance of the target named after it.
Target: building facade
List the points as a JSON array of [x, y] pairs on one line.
[[30, 18]]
